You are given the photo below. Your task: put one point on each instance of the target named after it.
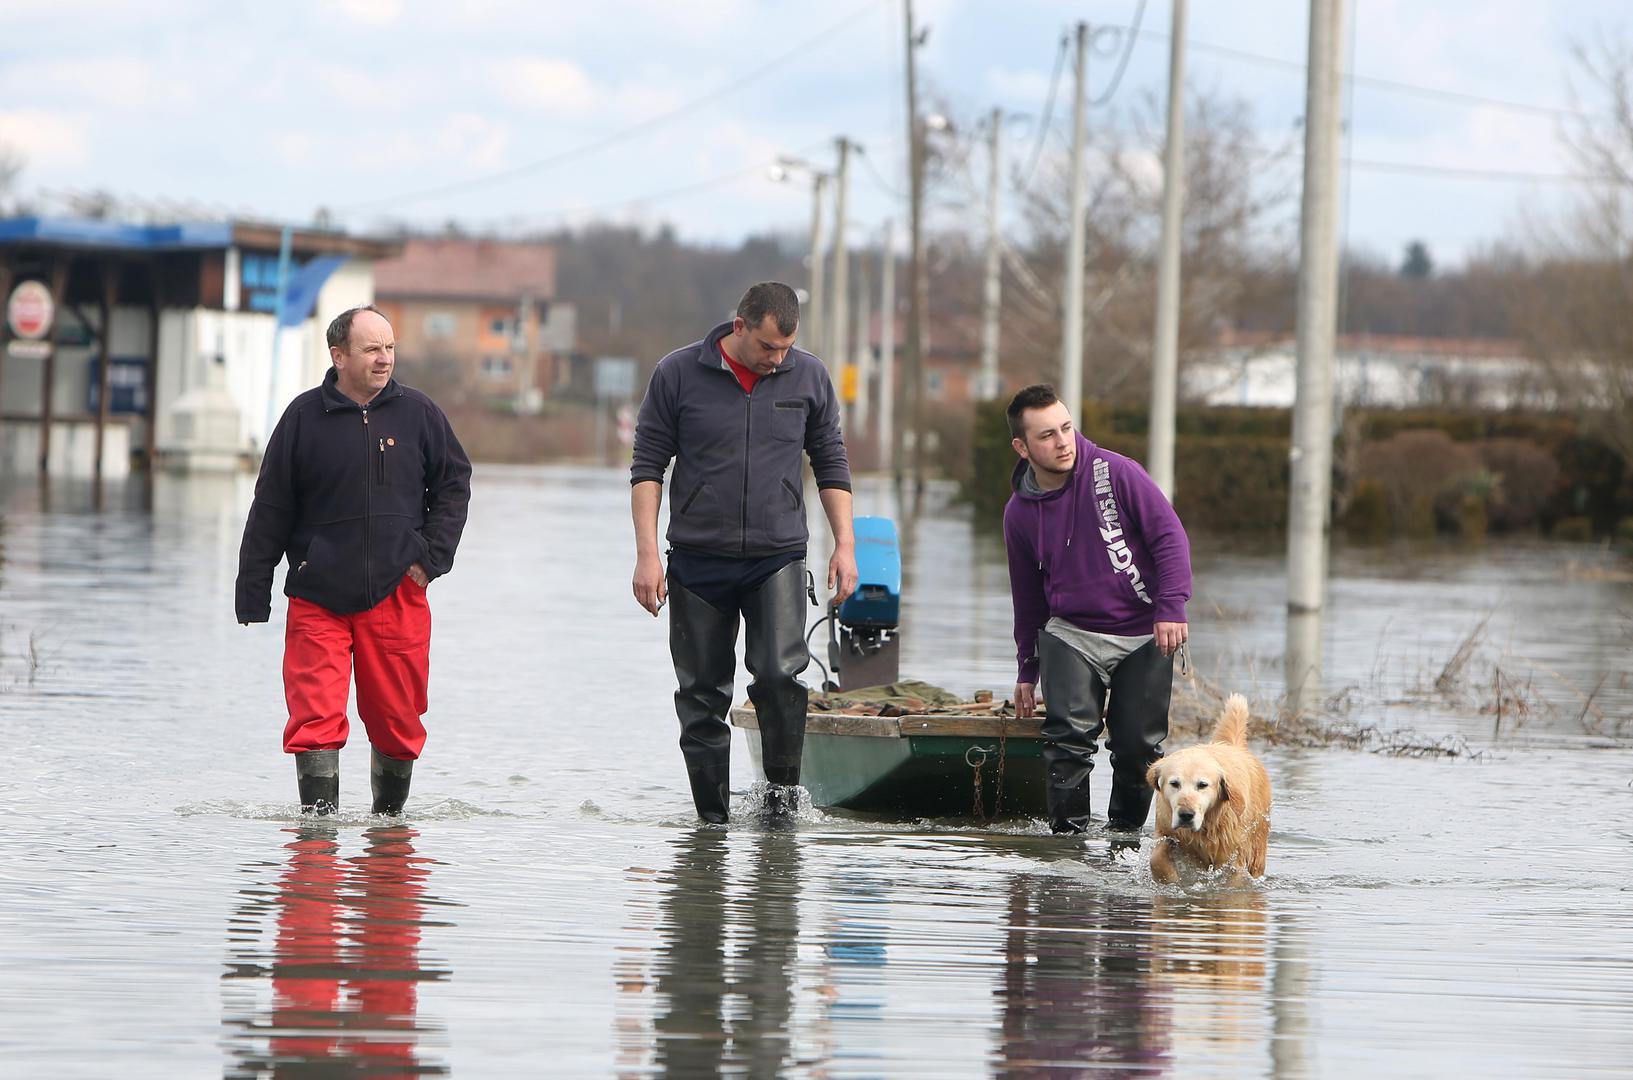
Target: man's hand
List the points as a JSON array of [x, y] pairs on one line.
[[1026, 700], [650, 588], [421, 578], [1170, 636], [842, 573]]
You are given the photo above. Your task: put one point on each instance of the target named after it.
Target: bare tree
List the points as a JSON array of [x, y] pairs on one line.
[[1234, 189], [1572, 307]]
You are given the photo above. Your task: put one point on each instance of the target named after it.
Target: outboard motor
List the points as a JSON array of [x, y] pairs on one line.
[[863, 646]]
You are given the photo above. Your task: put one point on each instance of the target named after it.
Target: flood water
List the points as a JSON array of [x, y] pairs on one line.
[[549, 908]]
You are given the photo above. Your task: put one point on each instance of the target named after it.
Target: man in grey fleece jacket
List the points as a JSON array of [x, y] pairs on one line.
[[738, 412]]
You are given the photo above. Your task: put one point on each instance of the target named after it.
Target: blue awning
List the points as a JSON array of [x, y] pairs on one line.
[[115, 235]]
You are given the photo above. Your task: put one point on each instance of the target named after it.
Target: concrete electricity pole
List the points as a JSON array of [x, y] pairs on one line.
[[987, 384], [861, 354], [1309, 495], [889, 432], [836, 334], [1071, 349], [1165, 339], [814, 310], [918, 285]]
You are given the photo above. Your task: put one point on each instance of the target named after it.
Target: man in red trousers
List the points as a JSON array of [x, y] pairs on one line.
[[363, 491]]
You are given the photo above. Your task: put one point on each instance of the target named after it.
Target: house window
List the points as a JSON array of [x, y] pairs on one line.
[[440, 324], [496, 367], [499, 326], [934, 383]]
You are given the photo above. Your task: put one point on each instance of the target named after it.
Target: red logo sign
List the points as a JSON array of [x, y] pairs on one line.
[[30, 311]]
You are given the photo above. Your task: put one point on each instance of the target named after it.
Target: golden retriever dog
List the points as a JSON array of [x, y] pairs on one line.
[[1213, 802]]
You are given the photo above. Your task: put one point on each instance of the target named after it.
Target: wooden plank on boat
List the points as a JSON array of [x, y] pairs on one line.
[[875, 727], [980, 727]]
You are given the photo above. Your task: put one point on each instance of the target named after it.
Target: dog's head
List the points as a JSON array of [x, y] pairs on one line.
[[1191, 783]]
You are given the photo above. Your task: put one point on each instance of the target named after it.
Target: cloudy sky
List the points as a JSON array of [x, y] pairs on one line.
[[534, 113]]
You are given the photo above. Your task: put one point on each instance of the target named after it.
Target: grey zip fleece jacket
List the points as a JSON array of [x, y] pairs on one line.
[[738, 485]]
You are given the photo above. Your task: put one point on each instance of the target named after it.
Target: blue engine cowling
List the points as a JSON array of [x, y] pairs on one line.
[[876, 603]]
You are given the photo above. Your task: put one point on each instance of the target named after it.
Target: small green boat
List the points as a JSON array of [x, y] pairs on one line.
[[918, 765]]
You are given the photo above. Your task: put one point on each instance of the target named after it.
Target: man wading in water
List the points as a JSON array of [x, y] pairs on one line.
[[736, 412], [364, 489], [1099, 571]]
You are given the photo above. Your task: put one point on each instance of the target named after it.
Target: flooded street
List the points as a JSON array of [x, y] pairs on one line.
[[549, 908]]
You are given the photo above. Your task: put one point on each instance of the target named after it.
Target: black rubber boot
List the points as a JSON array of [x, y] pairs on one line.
[[389, 778], [702, 644], [1137, 722], [774, 651], [1073, 699], [317, 773]]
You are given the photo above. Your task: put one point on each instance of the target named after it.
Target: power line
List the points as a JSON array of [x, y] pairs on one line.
[[1458, 97], [1453, 171], [1122, 64], [1048, 110], [621, 136]]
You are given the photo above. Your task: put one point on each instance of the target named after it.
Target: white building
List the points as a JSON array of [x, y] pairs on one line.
[[1373, 371], [190, 344]]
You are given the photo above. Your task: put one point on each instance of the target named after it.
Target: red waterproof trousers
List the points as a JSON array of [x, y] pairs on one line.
[[389, 646]]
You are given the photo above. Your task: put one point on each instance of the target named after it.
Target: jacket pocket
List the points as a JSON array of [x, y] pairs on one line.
[[788, 421], [786, 523], [691, 500]]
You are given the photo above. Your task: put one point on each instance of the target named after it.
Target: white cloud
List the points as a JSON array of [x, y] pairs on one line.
[[545, 84], [372, 12], [356, 88], [477, 141], [47, 138], [1030, 86], [118, 82], [295, 147]]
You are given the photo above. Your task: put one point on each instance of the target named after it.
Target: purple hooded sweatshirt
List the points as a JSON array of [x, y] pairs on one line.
[[1104, 551]]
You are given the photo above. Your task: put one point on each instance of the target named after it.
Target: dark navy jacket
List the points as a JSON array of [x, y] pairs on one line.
[[352, 496], [738, 487]]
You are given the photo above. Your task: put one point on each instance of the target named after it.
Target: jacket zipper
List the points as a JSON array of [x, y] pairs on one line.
[[368, 512], [748, 444]]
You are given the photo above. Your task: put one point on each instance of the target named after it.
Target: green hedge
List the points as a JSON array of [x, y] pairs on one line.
[[1231, 464]]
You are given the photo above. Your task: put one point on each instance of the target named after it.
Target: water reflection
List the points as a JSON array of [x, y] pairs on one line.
[[344, 965], [1077, 996], [722, 964], [1211, 964]]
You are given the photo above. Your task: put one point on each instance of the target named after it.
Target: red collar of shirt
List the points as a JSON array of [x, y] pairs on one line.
[[745, 377]]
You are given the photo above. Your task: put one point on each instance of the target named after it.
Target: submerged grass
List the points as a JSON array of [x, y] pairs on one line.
[[1471, 682]]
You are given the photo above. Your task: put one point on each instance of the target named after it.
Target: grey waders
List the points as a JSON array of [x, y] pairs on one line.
[[1075, 713], [317, 773], [702, 643]]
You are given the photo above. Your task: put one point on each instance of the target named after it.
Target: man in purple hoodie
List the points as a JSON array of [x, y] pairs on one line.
[[1099, 570]]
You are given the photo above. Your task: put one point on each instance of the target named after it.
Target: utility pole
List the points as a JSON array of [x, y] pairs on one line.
[[1165, 338], [814, 305], [837, 355], [889, 432], [1071, 349], [918, 293], [1309, 495], [987, 385], [861, 354]]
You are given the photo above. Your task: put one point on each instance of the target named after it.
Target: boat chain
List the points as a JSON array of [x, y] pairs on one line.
[[976, 757]]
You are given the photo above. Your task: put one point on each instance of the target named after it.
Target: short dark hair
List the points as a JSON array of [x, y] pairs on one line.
[[1037, 396], [770, 298], [340, 331]]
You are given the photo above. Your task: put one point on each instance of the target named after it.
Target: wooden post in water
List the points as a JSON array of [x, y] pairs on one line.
[[5, 328], [48, 377], [110, 286], [155, 310]]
